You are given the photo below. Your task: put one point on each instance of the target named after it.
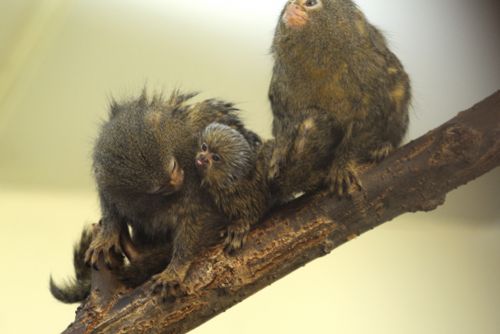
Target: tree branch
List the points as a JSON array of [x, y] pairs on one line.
[[417, 177]]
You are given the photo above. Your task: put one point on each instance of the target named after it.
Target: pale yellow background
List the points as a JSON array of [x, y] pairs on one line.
[[60, 61]]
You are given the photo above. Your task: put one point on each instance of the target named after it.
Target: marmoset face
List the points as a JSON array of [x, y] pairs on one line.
[[224, 155], [129, 156]]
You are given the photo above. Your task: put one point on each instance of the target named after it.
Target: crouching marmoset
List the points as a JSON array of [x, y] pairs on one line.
[[235, 174], [339, 96], [146, 180]]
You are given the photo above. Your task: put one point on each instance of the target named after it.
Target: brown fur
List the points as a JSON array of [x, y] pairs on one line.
[[139, 157], [333, 70], [237, 181]]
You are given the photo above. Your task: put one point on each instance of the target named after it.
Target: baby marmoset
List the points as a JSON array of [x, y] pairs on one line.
[[146, 179], [235, 174], [339, 96]]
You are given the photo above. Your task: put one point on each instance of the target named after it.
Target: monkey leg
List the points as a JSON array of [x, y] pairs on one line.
[[283, 142], [170, 282], [342, 177], [106, 244], [145, 260], [236, 236]]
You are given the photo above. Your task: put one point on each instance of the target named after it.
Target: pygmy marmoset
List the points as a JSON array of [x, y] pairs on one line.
[[339, 96], [235, 174]]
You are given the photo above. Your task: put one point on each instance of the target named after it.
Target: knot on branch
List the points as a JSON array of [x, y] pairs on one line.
[[429, 204], [456, 143]]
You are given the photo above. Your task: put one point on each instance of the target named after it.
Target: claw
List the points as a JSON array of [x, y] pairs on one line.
[[168, 286], [381, 152], [348, 181], [273, 172], [359, 184], [95, 259], [105, 245], [168, 291], [108, 262], [156, 288], [236, 236], [343, 179], [274, 166]]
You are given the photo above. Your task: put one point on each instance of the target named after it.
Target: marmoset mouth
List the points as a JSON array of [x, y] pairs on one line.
[[201, 162]]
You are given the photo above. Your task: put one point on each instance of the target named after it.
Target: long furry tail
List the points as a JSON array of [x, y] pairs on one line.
[[76, 289]]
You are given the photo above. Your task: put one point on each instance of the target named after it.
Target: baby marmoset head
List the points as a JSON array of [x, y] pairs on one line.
[[224, 157], [132, 153]]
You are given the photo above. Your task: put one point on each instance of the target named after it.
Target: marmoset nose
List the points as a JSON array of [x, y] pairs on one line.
[[201, 161]]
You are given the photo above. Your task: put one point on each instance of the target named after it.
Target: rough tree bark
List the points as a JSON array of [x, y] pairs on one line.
[[416, 177]]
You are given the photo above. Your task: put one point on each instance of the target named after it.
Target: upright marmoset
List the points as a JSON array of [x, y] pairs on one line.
[[339, 96], [235, 174], [146, 179]]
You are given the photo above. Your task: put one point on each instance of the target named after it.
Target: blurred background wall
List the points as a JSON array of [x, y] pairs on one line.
[[62, 60]]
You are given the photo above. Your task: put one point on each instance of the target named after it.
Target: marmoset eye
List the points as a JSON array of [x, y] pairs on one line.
[[216, 157], [204, 147], [311, 3]]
